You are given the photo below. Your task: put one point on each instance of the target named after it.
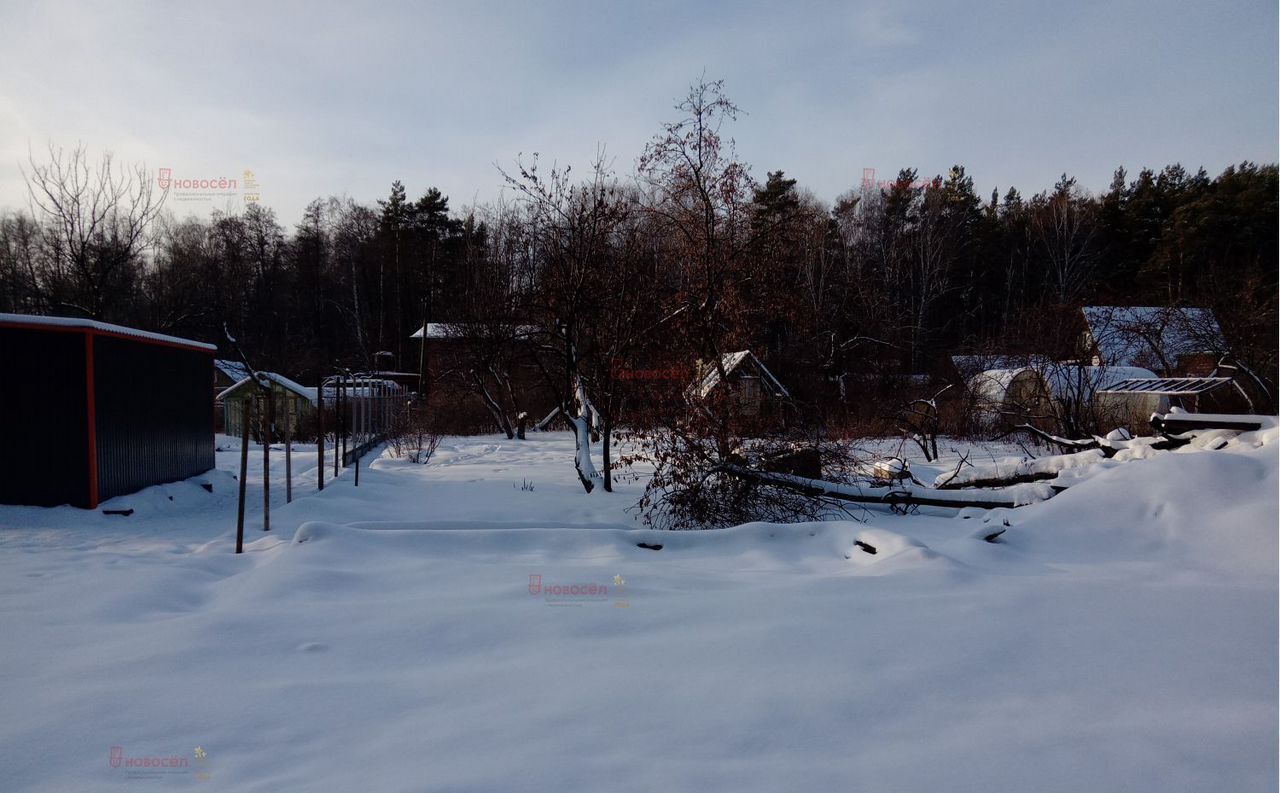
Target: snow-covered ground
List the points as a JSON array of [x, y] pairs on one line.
[[1120, 636]]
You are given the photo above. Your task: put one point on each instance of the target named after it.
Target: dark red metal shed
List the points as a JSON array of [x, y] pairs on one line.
[[89, 411]]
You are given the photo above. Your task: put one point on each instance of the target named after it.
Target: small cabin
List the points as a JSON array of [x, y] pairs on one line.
[[746, 378]]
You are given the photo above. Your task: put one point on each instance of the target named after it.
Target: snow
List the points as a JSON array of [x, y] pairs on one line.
[[1008, 469], [1118, 636], [104, 327], [457, 330], [1016, 495], [970, 365], [306, 392], [1241, 418]]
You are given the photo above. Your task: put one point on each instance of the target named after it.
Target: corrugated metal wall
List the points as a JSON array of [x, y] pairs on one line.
[[44, 424], [154, 414]]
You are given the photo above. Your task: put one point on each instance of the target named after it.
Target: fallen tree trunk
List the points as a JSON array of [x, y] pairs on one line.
[[1167, 441], [1067, 445], [1000, 481], [1020, 472], [899, 495], [541, 426]]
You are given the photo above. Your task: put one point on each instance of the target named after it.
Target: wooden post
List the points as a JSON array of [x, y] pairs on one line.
[[320, 433], [268, 422], [337, 426], [288, 449], [244, 471]]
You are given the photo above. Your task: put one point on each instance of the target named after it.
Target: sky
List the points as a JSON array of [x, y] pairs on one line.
[[319, 99]]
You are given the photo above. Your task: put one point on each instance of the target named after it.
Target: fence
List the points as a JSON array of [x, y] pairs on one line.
[[365, 411]]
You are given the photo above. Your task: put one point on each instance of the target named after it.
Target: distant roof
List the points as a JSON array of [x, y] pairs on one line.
[[1166, 386], [234, 370], [1152, 336], [457, 330], [303, 391], [100, 327], [731, 361], [970, 365]]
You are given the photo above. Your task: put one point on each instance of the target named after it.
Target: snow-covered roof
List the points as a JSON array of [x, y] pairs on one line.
[[971, 365], [457, 330], [710, 378], [27, 320], [234, 370], [306, 392], [434, 330], [1151, 336]]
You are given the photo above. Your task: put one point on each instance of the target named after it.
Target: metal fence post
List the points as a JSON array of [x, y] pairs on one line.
[[288, 449], [244, 471], [268, 425], [320, 434]]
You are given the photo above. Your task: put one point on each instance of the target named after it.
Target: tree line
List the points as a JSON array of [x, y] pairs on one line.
[[684, 258]]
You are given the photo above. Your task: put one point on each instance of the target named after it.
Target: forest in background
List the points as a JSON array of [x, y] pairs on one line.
[[685, 257]]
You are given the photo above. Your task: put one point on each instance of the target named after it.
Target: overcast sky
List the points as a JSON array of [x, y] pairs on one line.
[[342, 98]]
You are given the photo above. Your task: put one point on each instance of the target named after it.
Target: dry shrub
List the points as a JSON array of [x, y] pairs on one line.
[[410, 437]]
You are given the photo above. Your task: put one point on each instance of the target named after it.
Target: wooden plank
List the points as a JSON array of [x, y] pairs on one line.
[[1185, 422]]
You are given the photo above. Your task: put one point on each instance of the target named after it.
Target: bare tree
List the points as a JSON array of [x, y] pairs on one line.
[[572, 229], [22, 259], [100, 214], [698, 193]]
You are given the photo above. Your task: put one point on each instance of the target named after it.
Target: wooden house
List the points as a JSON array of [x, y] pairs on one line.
[[747, 379]]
